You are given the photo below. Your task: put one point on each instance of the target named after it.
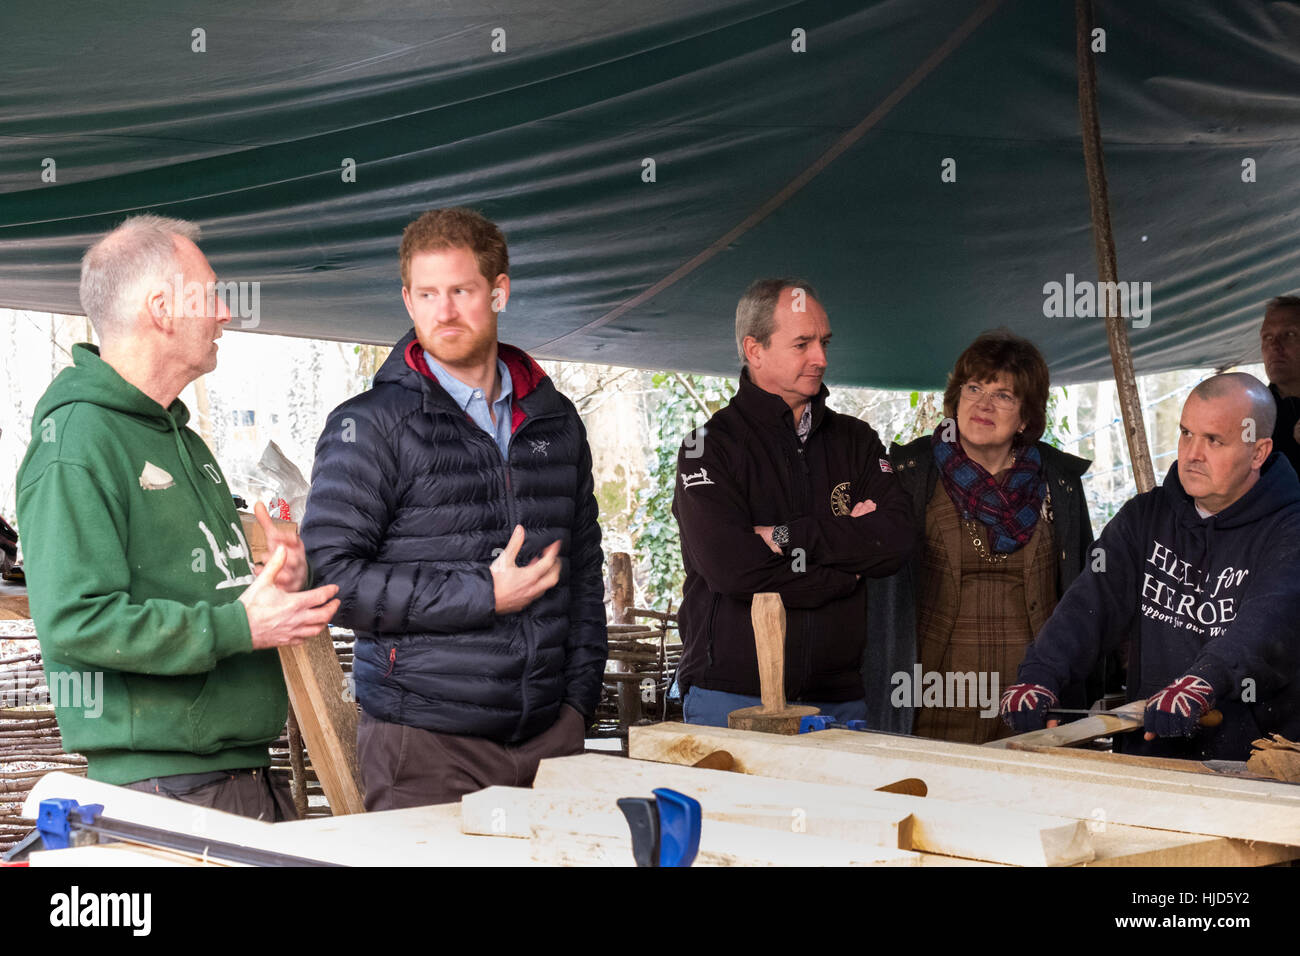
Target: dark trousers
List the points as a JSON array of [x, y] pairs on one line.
[[405, 766], [248, 793]]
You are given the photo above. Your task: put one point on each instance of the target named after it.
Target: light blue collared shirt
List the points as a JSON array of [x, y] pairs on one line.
[[474, 402]]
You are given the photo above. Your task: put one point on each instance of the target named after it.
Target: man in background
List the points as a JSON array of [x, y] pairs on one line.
[[1279, 343]]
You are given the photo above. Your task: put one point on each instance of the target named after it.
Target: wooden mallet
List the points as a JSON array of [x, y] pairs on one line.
[[773, 716]]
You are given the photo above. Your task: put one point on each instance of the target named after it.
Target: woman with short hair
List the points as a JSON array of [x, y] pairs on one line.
[[1006, 531]]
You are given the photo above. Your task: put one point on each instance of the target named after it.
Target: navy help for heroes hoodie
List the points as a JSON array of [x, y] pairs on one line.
[[1217, 597]]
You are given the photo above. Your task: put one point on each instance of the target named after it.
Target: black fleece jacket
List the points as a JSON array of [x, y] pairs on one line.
[[746, 467]]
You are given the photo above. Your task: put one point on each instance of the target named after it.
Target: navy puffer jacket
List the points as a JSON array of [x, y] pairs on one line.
[[410, 502]]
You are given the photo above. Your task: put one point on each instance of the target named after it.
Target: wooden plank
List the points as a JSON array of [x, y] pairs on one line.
[[1165, 800], [1125, 762], [1066, 764], [1120, 720], [417, 836], [1124, 719], [944, 753], [1118, 845], [512, 812], [994, 834], [420, 836], [564, 839], [117, 855], [327, 715]]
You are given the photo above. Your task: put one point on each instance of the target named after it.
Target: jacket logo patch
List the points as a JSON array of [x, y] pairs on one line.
[[700, 477], [211, 469], [153, 478], [840, 500], [539, 446], [886, 467]]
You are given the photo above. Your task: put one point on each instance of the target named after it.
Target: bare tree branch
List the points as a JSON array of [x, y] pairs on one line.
[[691, 392]]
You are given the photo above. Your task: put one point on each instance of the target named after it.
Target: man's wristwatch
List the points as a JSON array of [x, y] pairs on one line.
[[781, 536]]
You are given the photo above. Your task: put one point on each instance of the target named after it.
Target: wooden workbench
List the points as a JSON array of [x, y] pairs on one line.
[[797, 801]]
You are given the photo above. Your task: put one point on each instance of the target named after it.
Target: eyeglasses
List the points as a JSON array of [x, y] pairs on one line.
[[1286, 338], [1003, 400]]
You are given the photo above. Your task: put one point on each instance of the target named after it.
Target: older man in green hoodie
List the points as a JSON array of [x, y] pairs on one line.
[[157, 632]]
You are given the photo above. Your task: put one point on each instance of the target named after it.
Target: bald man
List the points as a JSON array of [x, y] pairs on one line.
[[1202, 576], [1279, 344]]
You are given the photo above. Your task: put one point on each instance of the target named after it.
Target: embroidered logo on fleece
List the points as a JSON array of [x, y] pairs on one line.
[[700, 477], [840, 500], [153, 478]]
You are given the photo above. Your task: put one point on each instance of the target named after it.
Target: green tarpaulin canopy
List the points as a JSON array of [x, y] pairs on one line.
[[825, 163]]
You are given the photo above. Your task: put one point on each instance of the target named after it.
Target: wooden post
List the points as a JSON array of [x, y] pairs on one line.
[[623, 598], [1121, 355], [621, 589]]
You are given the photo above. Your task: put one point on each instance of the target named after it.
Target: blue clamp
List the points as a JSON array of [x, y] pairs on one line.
[[816, 722], [665, 828], [57, 817]]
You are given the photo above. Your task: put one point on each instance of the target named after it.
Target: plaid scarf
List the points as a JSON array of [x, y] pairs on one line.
[[1009, 508]]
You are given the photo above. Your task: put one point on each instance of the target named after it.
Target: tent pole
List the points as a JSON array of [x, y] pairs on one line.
[[1121, 355]]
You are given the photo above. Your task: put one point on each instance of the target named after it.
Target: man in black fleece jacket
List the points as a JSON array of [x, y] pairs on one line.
[[777, 492], [1202, 575]]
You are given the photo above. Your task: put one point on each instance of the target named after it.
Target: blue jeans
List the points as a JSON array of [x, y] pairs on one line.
[[710, 707]]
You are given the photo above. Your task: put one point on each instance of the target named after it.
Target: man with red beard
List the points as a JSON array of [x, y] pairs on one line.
[[453, 506]]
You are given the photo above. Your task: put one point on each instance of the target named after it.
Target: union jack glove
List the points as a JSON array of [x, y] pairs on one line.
[[1024, 707], [1177, 710]]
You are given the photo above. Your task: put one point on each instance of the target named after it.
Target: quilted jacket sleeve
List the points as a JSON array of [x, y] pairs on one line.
[[588, 640], [356, 483]]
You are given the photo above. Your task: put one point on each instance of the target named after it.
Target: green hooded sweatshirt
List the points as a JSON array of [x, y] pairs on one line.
[[135, 558]]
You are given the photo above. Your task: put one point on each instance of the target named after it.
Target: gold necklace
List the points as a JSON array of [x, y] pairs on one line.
[[994, 557], [997, 557]]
